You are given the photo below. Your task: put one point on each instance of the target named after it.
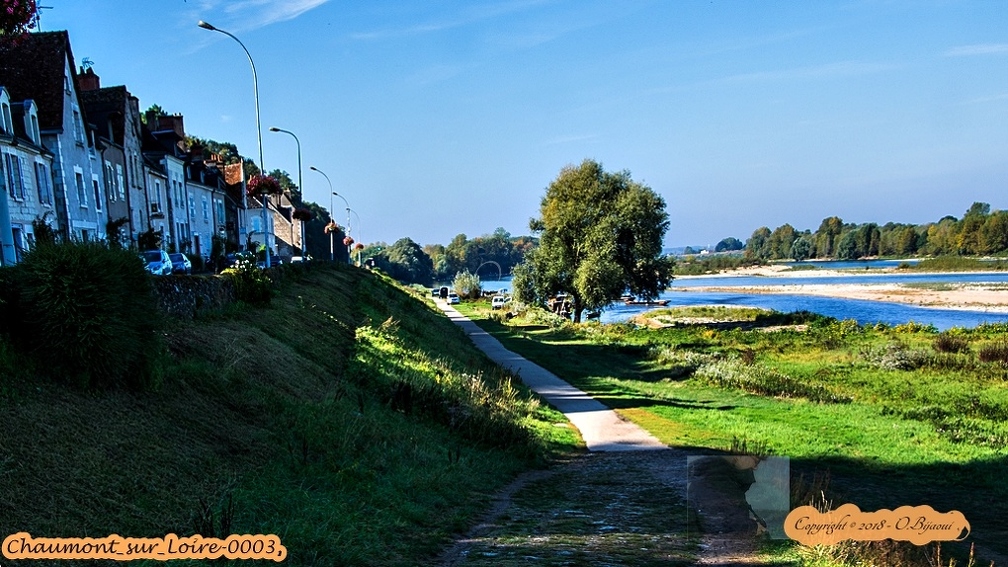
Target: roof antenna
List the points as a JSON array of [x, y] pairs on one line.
[[87, 63], [38, 16]]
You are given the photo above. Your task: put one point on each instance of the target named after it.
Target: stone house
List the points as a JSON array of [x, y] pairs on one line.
[[25, 176], [163, 148], [206, 189], [286, 228], [40, 67], [115, 115]]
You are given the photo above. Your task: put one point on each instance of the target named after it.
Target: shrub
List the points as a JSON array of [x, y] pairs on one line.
[[894, 356], [947, 342], [997, 352], [250, 281], [87, 313], [467, 286]]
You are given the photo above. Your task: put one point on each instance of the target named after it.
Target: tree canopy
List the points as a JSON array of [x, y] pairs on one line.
[[981, 231], [601, 235]]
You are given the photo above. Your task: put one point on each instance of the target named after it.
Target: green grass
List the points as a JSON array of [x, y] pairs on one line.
[[347, 417], [957, 264], [908, 424]]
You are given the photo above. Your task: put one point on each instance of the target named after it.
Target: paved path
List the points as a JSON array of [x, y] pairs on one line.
[[600, 427]]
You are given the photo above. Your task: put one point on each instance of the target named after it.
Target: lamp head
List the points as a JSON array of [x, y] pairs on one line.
[[206, 26], [274, 129], [313, 168]]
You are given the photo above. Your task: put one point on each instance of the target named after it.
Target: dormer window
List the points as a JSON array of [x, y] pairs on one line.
[[31, 121], [6, 123]]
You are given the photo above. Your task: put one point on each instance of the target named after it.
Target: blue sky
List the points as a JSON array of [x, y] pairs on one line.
[[440, 118]]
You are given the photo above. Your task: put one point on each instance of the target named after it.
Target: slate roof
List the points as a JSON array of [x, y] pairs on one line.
[[105, 103], [34, 68]]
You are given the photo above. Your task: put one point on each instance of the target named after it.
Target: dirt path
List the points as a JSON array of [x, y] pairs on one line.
[[600, 427], [624, 503]]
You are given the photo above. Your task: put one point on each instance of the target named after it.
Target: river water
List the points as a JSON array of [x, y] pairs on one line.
[[864, 312]]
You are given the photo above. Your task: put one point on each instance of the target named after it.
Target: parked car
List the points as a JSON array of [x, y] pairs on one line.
[[157, 262], [498, 301], [180, 264], [274, 261], [453, 298]]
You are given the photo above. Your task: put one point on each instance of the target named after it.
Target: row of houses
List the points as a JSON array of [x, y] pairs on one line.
[[82, 160]]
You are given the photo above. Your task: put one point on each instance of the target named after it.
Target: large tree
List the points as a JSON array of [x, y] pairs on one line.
[[600, 235]]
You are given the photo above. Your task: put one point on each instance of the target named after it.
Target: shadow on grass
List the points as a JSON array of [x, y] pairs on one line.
[[976, 488]]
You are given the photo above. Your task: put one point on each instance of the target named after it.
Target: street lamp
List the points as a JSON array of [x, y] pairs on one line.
[[300, 186], [360, 238], [347, 221], [332, 248], [262, 166]]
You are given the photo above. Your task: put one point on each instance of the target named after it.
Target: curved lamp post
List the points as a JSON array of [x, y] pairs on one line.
[[332, 248], [347, 221], [300, 185], [360, 238], [262, 166]]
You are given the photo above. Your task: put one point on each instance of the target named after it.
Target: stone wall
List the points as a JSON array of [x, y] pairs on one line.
[[188, 296]]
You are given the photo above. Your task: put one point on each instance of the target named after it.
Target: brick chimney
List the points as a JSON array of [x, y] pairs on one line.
[[87, 80]]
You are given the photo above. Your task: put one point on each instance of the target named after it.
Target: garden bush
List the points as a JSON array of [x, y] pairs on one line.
[[86, 313], [250, 281]]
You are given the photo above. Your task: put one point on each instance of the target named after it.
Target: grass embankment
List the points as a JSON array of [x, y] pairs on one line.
[[894, 416], [347, 417]]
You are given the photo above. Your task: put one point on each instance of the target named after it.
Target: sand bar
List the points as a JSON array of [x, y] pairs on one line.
[[985, 297]]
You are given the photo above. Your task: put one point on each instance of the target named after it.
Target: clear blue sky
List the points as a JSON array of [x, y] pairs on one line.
[[439, 118]]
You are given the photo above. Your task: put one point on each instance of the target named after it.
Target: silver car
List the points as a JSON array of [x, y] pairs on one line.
[[157, 262]]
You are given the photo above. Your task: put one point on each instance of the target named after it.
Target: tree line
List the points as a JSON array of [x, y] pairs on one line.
[[979, 232], [489, 256]]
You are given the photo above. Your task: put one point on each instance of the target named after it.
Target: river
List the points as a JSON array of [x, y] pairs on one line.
[[865, 312]]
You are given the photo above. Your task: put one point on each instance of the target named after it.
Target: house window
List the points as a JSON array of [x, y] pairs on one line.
[[7, 121], [157, 194], [78, 127], [192, 208], [81, 192], [109, 180], [42, 180], [256, 225], [97, 193], [19, 241], [120, 185], [35, 129], [220, 211], [206, 210], [15, 183]]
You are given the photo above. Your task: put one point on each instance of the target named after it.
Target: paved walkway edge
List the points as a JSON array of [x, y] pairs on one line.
[[601, 428]]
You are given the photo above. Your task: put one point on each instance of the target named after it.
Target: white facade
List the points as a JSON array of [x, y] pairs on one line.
[[25, 177]]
